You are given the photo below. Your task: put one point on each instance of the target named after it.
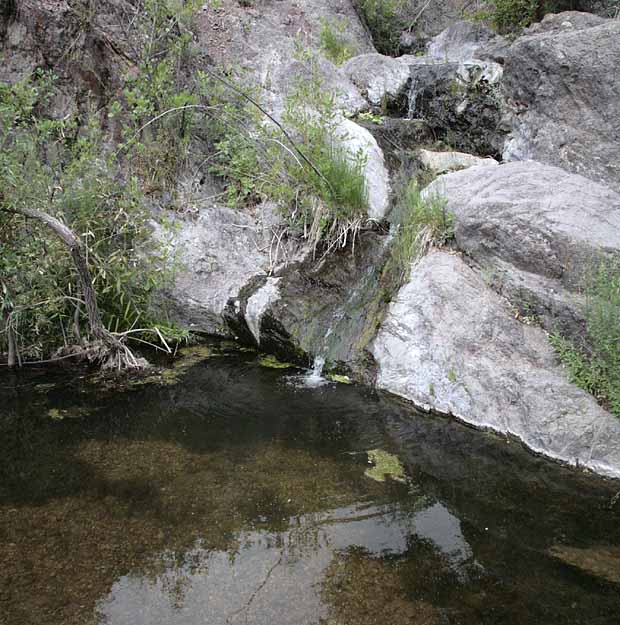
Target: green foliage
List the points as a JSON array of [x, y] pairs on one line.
[[68, 169], [512, 16], [596, 367], [334, 42], [385, 21], [258, 163], [368, 116], [159, 110], [63, 170], [424, 222]]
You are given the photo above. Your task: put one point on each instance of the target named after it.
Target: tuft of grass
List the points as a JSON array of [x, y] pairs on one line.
[[334, 42], [325, 204], [424, 222], [510, 17], [595, 366]]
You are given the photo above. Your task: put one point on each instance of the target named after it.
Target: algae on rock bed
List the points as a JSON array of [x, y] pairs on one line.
[[271, 362], [384, 464]]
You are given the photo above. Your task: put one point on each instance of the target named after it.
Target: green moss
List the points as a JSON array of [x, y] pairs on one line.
[[452, 376], [187, 357], [60, 414], [340, 379], [271, 362], [385, 464]]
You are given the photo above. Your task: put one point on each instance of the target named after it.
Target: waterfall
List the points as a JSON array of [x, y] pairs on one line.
[[412, 98]]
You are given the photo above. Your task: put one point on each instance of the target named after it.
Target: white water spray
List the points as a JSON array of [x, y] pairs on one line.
[[412, 98]]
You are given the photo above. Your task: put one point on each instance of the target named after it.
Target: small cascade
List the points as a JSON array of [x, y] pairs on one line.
[[412, 98], [315, 376]]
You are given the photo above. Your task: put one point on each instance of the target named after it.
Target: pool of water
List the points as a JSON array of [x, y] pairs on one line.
[[230, 495]]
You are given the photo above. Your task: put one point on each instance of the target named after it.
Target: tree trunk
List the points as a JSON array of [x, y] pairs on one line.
[[117, 354], [67, 236], [12, 361]]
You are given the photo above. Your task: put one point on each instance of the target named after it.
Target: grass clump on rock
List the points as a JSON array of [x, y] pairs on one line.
[[595, 365], [424, 222], [300, 163]]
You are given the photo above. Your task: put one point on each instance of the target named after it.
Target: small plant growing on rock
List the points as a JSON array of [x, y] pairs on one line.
[[334, 42], [318, 184], [595, 365], [424, 222]]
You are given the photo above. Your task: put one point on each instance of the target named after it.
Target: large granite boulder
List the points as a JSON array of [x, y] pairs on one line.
[[562, 89], [459, 42], [451, 344], [217, 252], [271, 40], [537, 232]]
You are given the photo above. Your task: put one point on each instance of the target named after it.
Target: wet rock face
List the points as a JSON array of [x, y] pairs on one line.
[[536, 231], [460, 102], [451, 344], [458, 97], [329, 309], [562, 87]]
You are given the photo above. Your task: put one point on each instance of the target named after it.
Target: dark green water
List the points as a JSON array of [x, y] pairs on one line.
[[234, 497]]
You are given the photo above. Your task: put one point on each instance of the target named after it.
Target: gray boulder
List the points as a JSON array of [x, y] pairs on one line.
[[218, 251], [562, 89], [381, 79], [269, 41], [442, 162], [451, 344], [537, 232], [459, 42]]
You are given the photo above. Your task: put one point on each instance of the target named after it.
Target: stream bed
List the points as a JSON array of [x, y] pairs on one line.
[[227, 493]]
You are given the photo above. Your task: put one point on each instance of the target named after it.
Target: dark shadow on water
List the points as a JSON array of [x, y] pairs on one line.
[[234, 497]]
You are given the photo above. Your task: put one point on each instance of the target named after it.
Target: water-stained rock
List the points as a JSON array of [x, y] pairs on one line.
[[451, 344]]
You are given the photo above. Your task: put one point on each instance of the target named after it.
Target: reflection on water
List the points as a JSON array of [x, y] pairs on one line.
[[274, 577], [232, 497]]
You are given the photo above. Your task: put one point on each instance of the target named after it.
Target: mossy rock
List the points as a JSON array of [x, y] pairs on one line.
[[384, 465], [271, 362]]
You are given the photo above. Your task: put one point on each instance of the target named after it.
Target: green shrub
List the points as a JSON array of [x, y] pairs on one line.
[[512, 16], [385, 22], [595, 366], [70, 170], [334, 43], [258, 163]]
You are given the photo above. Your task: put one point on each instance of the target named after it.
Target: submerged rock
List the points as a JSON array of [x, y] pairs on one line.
[[536, 231], [562, 87], [451, 344], [603, 561]]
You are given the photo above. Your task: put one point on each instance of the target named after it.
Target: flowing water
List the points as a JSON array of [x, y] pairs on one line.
[[227, 495]]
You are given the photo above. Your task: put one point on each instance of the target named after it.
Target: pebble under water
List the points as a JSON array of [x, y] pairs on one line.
[[230, 496]]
